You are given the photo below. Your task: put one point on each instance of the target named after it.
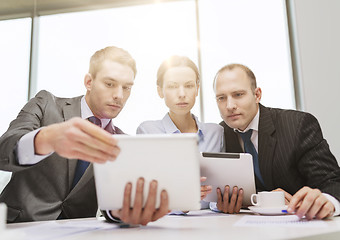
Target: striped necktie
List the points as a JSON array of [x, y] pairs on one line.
[[250, 148]]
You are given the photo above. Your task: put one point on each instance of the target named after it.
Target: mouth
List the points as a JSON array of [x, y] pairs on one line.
[[234, 116], [115, 106], [182, 104]]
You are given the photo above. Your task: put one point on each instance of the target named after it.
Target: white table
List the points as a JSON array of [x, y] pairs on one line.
[[199, 225]]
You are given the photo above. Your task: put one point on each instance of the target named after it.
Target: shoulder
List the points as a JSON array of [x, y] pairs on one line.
[[148, 127], [289, 115], [212, 131], [44, 95], [212, 127]]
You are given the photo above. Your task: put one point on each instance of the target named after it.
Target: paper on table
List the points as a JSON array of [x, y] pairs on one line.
[[60, 229], [286, 221]]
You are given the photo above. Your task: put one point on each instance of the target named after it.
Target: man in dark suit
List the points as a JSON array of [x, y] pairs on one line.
[[291, 154], [49, 145]]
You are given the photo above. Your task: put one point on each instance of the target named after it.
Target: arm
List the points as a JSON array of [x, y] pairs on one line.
[[316, 164], [78, 139], [318, 168], [29, 119]]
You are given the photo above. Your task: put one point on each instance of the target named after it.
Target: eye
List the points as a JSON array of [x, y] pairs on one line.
[[171, 86], [239, 94], [221, 99], [127, 88], [190, 86]]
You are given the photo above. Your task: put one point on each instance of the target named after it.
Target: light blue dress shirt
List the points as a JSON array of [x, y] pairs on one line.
[[210, 134]]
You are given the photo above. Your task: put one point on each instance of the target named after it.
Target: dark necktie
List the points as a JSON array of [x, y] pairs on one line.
[[249, 148], [82, 165]]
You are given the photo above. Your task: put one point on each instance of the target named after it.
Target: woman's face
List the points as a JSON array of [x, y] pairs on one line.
[[179, 89]]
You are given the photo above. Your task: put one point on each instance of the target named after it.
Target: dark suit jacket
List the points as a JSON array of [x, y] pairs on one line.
[[292, 152], [43, 191]]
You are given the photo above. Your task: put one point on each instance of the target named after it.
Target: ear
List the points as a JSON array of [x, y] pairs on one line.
[[197, 89], [160, 92], [88, 81], [258, 94]]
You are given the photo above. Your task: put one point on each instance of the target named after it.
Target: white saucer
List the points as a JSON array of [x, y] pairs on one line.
[[269, 210]]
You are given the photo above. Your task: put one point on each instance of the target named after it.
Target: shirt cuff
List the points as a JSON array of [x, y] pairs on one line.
[[213, 207], [335, 202], [179, 213], [25, 149], [114, 219]]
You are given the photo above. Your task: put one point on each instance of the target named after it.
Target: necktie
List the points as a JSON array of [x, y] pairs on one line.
[[82, 165], [249, 148]]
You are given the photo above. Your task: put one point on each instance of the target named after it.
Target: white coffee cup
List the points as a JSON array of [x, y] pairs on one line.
[[268, 199]]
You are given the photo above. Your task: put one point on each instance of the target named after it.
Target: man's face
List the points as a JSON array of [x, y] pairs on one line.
[[237, 102], [179, 90], [108, 92]]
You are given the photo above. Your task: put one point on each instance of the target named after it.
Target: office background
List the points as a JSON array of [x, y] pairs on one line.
[[292, 47]]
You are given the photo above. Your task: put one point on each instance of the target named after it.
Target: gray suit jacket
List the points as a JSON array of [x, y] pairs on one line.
[[43, 191], [292, 152]]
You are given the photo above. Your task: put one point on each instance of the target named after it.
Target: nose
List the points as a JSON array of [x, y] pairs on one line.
[[231, 105], [118, 93], [181, 92]]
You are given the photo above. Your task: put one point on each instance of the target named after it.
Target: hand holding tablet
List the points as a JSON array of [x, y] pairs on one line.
[[172, 160], [233, 169]]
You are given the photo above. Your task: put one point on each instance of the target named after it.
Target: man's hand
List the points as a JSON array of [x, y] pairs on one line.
[[138, 214], [310, 203], [205, 189], [288, 196], [232, 205], [78, 139]]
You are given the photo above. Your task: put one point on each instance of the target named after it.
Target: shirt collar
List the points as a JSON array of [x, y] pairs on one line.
[[170, 127], [86, 113], [254, 124]]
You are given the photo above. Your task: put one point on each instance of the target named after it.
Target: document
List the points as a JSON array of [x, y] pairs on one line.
[[285, 221], [59, 229]]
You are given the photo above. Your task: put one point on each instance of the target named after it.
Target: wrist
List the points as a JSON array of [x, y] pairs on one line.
[[42, 145]]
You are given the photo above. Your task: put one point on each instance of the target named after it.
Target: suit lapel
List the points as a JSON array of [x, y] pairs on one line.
[[71, 108], [266, 143], [231, 141]]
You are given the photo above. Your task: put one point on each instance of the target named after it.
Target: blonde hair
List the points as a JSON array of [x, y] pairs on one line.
[[232, 66], [175, 61], [112, 53]]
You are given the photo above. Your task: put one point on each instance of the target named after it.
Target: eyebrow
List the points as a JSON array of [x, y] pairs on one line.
[[190, 81], [114, 80]]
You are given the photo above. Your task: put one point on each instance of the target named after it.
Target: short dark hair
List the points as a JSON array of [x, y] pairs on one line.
[[232, 66]]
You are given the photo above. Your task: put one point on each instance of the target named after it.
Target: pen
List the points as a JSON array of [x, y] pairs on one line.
[[285, 211]]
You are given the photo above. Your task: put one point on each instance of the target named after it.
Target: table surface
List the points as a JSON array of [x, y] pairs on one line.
[[202, 224]]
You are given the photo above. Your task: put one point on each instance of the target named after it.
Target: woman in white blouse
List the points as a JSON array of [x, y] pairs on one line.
[[178, 85]]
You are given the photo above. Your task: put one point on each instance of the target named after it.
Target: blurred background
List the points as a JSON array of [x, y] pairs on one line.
[[291, 46]]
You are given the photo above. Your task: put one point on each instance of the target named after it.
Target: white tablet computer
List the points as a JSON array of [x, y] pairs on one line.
[[171, 159], [233, 169]]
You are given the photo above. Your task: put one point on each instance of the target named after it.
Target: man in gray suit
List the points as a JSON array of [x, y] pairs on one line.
[[44, 144], [291, 153]]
